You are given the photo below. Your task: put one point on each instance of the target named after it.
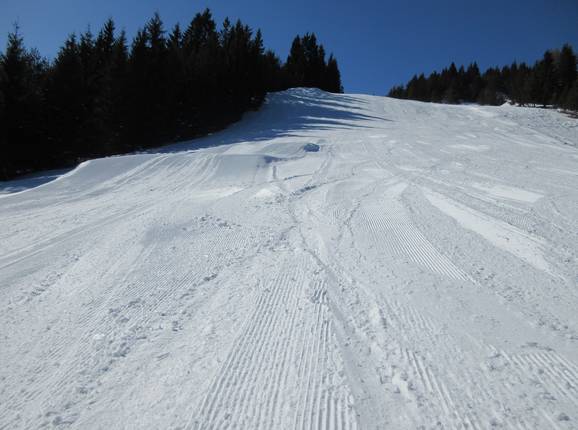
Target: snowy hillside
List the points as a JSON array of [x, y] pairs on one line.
[[420, 269]]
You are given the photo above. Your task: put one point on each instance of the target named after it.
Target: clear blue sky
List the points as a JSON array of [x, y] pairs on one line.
[[378, 43]]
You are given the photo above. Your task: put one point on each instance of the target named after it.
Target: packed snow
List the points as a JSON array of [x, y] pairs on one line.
[[329, 262]]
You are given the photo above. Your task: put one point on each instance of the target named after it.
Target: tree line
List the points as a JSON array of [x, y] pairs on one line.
[[102, 95], [551, 81]]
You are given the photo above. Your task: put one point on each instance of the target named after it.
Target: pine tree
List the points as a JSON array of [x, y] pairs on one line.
[[412, 89], [549, 81], [118, 97], [65, 97], [490, 94], [474, 82], [306, 65], [176, 78], [397, 92], [543, 81], [418, 88], [156, 81], [91, 118], [314, 57], [462, 85], [566, 72], [6, 163], [103, 109], [105, 42], [21, 143], [333, 76], [137, 125], [449, 80], [99, 97], [520, 84], [256, 70], [274, 75], [571, 100], [435, 87], [296, 63], [203, 57]]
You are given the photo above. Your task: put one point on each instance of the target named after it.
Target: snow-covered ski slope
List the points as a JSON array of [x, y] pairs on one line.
[[419, 271]]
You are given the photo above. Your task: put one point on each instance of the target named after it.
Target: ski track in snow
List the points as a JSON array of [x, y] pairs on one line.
[[418, 271]]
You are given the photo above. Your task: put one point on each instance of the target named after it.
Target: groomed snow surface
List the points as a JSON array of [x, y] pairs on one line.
[[420, 270]]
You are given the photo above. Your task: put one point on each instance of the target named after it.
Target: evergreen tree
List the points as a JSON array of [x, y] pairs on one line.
[[474, 82], [417, 88], [99, 97], [118, 85], [489, 95], [435, 87], [566, 72], [91, 115], [7, 163], [543, 82], [571, 100], [314, 61], [333, 76], [203, 58], [21, 144], [176, 78], [520, 88], [156, 84], [306, 65], [274, 75], [549, 81], [103, 109], [398, 92], [256, 70], [137, 126], [296, 63], [449, 78], [65, 99], [462, 85]]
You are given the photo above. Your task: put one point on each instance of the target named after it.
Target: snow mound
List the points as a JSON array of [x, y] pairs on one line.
[[311, 147]]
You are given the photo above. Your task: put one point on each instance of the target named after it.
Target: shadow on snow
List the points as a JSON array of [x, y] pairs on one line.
[[287, 114]]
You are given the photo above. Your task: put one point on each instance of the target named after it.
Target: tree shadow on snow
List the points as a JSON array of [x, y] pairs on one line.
[[288, 113]]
